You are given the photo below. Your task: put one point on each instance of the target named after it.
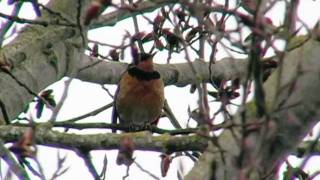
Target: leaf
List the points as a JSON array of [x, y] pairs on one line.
[[48, 97], [214, 94], [39, 108], [172, 39], [51, 101], [46, 93]]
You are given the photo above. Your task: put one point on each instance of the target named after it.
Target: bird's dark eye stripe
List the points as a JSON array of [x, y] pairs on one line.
[[143, 75]]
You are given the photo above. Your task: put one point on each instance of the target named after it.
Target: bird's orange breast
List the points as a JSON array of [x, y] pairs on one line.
[[139, 102]]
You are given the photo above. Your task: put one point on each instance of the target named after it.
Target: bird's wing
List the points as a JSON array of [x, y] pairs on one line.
[[114, 110], [115, 114]]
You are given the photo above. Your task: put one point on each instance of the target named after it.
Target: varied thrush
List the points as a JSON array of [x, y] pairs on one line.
[[139, 98]]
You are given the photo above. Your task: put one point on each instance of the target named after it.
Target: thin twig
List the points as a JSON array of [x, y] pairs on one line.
[[107, 90], [136, 28], [146, 171], [92, 113], [7, 25], [41, 173], [59, 105], [56, 14], [87, 160], [59, 171], [4, 112], [168, 112], [104, 168], [35, 22], [79, 10], [32, 169]]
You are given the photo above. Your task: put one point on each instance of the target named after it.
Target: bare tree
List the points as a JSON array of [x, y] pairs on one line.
[[254, 142]]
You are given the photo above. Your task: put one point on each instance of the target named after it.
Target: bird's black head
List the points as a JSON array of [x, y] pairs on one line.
[[142, 57], [145, 56], [143, 69]]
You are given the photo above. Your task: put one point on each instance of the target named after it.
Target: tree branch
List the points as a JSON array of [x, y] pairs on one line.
[[106, 72], [106, 141]]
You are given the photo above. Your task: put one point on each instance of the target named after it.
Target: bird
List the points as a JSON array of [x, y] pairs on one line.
[[139, 98]]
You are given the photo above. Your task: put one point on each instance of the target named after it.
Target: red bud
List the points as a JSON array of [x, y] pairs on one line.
[[114, 54], [148, 37], [125, 151], [159, 45], [24, 147], [92, 12], [165, 164], [95, 50], [138, 36]]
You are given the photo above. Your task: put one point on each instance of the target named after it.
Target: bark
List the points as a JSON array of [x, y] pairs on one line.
[[105, 141], [179, 74]]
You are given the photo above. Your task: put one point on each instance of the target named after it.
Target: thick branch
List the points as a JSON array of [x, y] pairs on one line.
[[105, 72], [106, 141]]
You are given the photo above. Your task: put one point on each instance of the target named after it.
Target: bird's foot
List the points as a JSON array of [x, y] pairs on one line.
[[140, 127], [136, 128]]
